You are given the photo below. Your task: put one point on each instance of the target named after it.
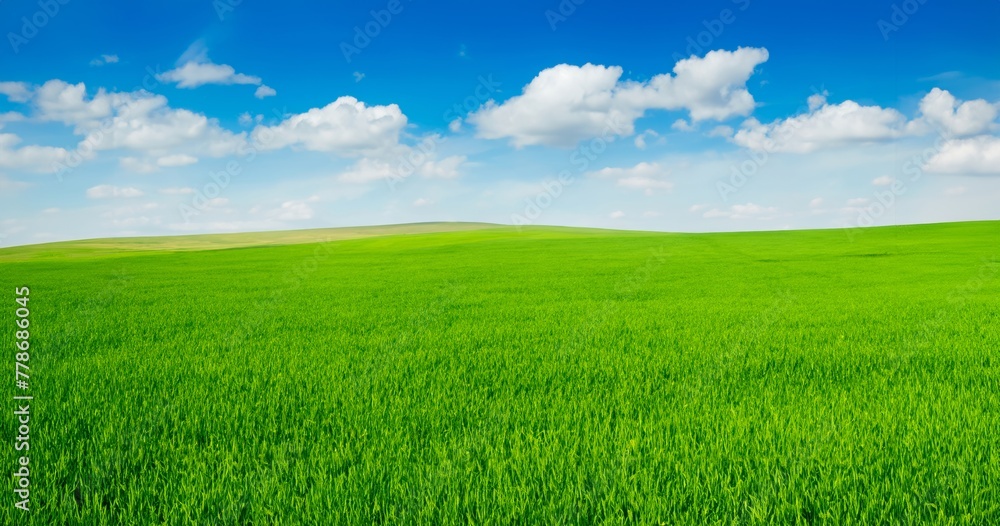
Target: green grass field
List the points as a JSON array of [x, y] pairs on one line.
[[487, 375]]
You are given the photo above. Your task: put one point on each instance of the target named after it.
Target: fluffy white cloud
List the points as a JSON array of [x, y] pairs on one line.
[[617, 214], [15, 91], [944, 112], [346, 127], [106, 191], [824, 126], [32, 158], [264, 91], [68, 103], [349, 128], [147, 124], [197, 73], [139, 121], [976, 155], [566, 104]]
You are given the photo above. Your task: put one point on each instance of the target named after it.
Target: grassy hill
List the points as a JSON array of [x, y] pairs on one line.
[[492, 375], [116, 246]]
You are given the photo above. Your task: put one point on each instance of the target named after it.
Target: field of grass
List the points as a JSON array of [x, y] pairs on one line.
[[497, 376]]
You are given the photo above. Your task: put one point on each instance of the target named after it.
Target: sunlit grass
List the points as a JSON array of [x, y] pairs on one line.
[[542, 376]]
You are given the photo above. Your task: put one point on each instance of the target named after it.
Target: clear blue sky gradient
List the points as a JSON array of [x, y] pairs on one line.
[[432, 55]]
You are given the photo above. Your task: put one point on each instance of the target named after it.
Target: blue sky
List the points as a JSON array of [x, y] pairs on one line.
[[215, 116]]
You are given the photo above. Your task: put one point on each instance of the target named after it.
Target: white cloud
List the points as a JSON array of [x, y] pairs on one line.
[[943, 111], [67, 103], [721, 131], [643, 176], [816, 203], [422, 202], [264, 91], [246, 119], [197, 73], [817, 100], [346, 127], [15, 91], [977, 155], [139, 121], [178, 159], [884, 180], [824, 126], [292, 211], [10, 116], [106, 191], [747, 211], [617, 214], [446, 168], [349, 128], [32, 158], [565, 104], [134, 164], [955, 190], [682, 125], [366, 171], [181, 190], [642, 169], [104, 59], [640, 140]]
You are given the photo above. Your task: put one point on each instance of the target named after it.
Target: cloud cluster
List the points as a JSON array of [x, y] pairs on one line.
[[31, 158], [566, 104], [826, 125]]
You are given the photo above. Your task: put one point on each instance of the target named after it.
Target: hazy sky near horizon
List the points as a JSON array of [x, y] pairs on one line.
[[143, 118]]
